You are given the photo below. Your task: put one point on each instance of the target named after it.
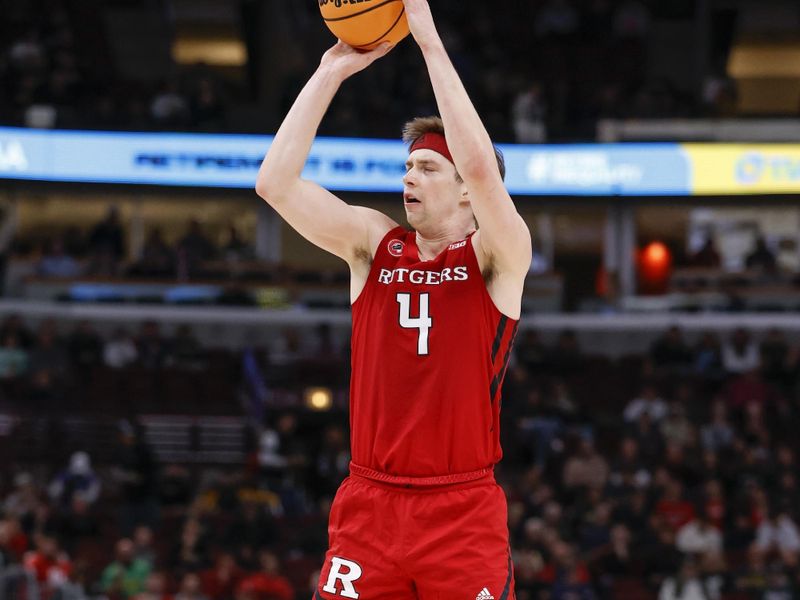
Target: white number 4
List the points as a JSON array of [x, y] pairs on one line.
[[423, 322]]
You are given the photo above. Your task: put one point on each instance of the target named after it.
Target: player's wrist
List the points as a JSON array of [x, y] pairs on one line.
[[331, 72], [430, 43]]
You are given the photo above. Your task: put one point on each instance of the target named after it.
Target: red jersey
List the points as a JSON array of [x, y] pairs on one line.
[[429, 353]]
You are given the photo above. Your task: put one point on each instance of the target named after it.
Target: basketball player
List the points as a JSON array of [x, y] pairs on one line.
[[435, 311]]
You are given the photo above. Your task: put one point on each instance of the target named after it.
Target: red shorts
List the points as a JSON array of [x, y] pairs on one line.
[[393, 542]]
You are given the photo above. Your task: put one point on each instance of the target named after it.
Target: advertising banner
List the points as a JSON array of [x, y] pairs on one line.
[[366, 165], [723, 169]]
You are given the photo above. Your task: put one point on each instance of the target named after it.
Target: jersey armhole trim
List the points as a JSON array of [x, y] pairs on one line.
[[477, 263], [397, 231]]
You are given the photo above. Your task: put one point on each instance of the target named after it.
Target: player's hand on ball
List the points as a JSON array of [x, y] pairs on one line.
[[347, 61], [420, 22]]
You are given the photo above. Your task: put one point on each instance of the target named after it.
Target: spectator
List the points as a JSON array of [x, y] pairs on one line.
[[120, 351], [670, 352], [629, 470], [647, 402], [13, 358], [207, 108], [774, 353], [673, 508], [779, 533], [194, 249], [191, 552], [191, 588], [616, 561], [85, 346], [169, 107], [587, 468], [143, 547], [699, 537], [155, 587], [531, 353], [761, 258], [740, 354], [332, 464], [752, 579], [151, 348], [566, 357], [186, 352], [252, 528], [48, 563], [22, 502], [13, 325], [707, 256], [236, 249], [48, 354], [649, 439], [687, 585], [267, 582], [718, 434], [77, 482], [676, 428], [595, 533], [529, 113], [708, 357], [55, 263], [221, 581], [106, 244], [566, 573], [714, 504], [126, 576], [13, 542], [748, 390], [135, 473], [157, 258]]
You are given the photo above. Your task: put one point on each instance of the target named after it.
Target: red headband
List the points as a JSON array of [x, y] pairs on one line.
[[432, 141]]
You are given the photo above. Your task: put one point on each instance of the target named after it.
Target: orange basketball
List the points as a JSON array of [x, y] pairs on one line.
[[364, 24]]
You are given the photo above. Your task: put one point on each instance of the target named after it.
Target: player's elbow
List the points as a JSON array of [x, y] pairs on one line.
[[269, 191]]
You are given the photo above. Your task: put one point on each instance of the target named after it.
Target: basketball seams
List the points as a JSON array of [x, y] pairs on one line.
[[366, 10], [388, 31]]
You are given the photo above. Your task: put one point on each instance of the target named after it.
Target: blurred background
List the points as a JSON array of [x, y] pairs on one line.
[[174, 360]]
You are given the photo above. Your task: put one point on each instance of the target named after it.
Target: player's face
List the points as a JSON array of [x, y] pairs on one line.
[[431, 191]]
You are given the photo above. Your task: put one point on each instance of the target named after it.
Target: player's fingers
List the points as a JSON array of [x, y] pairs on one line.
[[381, 50]]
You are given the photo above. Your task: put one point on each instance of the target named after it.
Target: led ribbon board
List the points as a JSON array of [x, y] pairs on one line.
[[365, 165]]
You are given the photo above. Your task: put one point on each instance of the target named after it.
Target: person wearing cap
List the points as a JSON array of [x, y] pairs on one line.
[[435, 312], [78, 482]]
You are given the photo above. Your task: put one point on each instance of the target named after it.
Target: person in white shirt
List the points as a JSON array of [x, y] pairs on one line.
[[740, 354], [779, 533], [699, 537], [647, 402], [687, 585]]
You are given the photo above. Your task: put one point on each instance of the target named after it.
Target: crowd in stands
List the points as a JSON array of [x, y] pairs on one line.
[[537, 71], [671, 474], [100, 251], [56, 66]]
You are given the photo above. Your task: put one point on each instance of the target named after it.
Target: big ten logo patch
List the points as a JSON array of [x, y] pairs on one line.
[[396, 247], [345, 572], [457, 245]]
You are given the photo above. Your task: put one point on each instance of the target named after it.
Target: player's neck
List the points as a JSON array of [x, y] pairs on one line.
[[430, 245]]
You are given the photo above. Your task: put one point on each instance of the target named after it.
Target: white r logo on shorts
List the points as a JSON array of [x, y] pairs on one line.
[[352, 574]]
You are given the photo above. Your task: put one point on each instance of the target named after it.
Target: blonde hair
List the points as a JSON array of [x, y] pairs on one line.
[[416, 128]]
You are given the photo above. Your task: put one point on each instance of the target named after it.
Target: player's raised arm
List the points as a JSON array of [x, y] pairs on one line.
[[504, 236], [315, 213]]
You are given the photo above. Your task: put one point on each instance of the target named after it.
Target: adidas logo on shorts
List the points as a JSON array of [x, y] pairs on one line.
[[484, 595]]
